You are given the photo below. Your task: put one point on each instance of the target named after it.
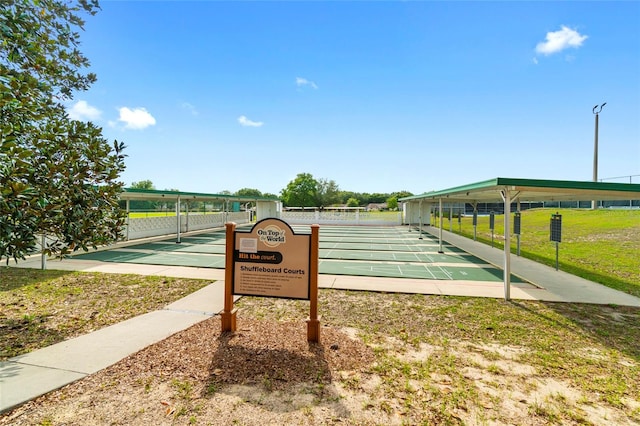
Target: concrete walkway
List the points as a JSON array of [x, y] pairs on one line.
[[28, 376]]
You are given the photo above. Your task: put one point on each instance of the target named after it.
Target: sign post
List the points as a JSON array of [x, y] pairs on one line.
[[228, 315], [271, 260], [313, 323]]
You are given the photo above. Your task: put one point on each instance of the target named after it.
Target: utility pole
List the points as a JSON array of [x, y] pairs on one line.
[[594, 203]]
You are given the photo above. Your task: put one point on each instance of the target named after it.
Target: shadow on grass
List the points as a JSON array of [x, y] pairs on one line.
[[12, 278], [21, 336], [588, 274], [606, 280], [615, 327]]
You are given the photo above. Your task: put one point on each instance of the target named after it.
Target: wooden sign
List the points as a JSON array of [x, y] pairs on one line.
[[272, 260]]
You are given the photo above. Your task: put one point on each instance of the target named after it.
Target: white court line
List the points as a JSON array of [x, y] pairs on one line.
[[429, 271], [447, 273]]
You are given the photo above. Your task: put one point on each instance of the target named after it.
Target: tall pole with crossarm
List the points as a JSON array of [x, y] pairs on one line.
[[594, 203]]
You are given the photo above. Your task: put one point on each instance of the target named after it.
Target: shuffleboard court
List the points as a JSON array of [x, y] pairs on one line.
[[432, 257], [375, 251]]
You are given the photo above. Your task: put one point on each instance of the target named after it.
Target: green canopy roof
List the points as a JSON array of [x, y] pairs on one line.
[[533, 190], [153, 194]]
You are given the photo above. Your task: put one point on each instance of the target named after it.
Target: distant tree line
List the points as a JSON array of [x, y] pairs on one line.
[[306, 191], [153, 205], [303, 191]]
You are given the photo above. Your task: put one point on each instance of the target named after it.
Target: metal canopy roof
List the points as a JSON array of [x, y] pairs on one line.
[[152, 194], [533, 190]]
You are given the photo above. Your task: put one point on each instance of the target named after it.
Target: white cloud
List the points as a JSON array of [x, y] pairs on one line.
[[245, 122], [560, 40], [300, 82], [82, 111], [187, 106], [137, 118]]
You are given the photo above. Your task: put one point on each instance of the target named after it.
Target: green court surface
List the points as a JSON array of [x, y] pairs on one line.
[[383, 251]]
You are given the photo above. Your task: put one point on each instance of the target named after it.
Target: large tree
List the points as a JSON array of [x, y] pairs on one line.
[[143, 184], [328, 192], [301, 192], [58, 177], [248, 192]]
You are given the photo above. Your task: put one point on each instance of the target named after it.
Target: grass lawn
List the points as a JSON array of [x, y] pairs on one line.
[[600, 245], [39, 308]]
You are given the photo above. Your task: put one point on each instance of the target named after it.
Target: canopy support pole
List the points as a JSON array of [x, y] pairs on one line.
[[128, 217], [178, 220], [420, 220], [441, 219], [506, 196]]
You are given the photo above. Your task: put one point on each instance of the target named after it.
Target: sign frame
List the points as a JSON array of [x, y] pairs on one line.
[[274, 236], [271, 260]]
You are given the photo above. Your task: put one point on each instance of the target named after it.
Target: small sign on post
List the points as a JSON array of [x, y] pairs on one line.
[[492, 224], [271, 260], [556, 232], [475, 223], [516, 230]]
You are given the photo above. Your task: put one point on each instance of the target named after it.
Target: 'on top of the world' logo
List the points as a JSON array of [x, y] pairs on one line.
[[272, 235]]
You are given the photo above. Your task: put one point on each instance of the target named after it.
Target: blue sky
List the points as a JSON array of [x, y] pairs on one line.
[[377, 96]]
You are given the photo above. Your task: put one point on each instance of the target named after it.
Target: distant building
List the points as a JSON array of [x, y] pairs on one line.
[[372, 207]]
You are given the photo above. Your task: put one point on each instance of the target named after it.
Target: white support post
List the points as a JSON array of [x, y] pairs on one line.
[[178, 219], [186, 216], [128, 218], [441, 219], [420, 220], [507, 243], [518, 236], [450, 217]]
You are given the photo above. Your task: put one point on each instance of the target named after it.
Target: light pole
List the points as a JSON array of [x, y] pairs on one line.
[[594, 203]]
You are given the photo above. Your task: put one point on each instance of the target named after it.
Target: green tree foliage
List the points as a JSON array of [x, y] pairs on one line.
[[392, 203], [378, 198], [248, 192], [301, 192], [353, 202], [401, 194], [143, 184], [328, 192], [58, 176]]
